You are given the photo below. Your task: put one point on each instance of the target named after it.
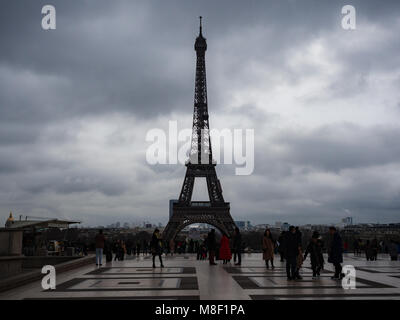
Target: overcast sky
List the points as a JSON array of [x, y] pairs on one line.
[[76, 104]]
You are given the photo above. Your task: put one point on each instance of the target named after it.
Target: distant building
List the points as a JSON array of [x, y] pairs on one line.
[[348, 221], [243, 225], [278, 224], [285, 226], [171, 204]]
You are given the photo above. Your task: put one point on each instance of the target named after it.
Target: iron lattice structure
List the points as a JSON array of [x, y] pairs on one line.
[[215, 212]]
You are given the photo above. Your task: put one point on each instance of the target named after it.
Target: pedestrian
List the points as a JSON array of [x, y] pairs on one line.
[[281, 247], [237, 247], [122, 249], [138, 248], [224, 250], [172, 246], [100, 240], [268, 248], [345, 246], [374, 249], [393, 250], [314, 248], [368, 250], [156, 247], [108, 251], [356, 247], [299, 260], [291, 252], [116, 250], [211, 246], [335, 253]]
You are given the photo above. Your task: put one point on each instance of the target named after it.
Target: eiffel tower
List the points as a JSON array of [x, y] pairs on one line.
[[200, 164]]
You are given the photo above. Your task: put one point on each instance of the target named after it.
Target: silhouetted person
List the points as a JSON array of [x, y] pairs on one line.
[[335, 254], [374, 249], [138, 248], [268, 248], [299, 261], [237, 247], [224, 250], [212, 246], [356, 246], [393, 250], [314, 248], [100, 240], [156, 247], [172, 246], [368, 250], [281, 247], [291, 252]]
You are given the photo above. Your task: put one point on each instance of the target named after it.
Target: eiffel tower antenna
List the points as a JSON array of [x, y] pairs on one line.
[[216, 211], [201, 27]]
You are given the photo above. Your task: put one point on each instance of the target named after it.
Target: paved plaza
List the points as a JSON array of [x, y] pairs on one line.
[[184, 277]]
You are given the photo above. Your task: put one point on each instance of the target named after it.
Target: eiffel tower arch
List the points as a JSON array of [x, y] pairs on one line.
[[216, 211]]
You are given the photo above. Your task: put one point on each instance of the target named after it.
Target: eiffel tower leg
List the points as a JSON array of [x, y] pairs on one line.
[[187, 189], [214, 188]]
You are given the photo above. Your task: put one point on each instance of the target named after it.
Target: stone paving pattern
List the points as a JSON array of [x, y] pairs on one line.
[[184, 277]]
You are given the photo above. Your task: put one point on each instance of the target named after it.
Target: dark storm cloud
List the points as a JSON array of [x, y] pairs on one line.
[[340, 147], [135, 60]]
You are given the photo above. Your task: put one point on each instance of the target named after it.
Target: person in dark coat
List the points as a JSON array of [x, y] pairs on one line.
[[212, 246], [156, 247], [393, 250], [237, 247], [300, 254], [291, 252], [281, 246], [335, 254], [314, 248], [374, 249], [268, 248]]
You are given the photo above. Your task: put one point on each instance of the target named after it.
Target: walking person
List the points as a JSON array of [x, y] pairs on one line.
[[138, 248], [116, 250], [212, 246], [237, 247], [100, 240], [393, 250], [299, 260], [172, 246], [335, 253], [122, 250], [108, 251], [291, 252], [156, 247], [268, 248], [368, 251], [224, 250], [356, 246], [314, 248], [281, 247], [374, 249]]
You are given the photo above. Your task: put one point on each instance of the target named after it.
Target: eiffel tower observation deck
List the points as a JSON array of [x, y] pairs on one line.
[[216, 211]]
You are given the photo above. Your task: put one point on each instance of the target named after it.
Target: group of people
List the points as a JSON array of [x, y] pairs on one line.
[[290, 248], [223, 250], [289, 245], [373, 247]]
